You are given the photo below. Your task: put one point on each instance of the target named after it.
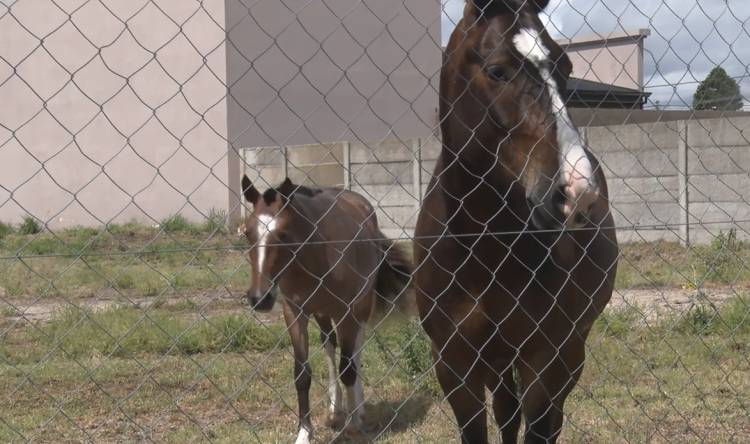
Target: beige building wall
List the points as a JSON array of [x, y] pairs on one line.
[[615, 59], [312, 72], [115, 114]]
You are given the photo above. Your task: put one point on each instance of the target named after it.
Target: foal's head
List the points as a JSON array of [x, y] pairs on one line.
[[502, 89], [274, 234]]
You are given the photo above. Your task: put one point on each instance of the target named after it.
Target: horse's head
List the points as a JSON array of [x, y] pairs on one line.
[[271, 231], [503, 113]]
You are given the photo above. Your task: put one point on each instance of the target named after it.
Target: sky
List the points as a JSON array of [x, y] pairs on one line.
[[688, 37]]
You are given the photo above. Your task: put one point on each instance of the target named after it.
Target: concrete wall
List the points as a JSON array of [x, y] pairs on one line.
[[102, 122], [679, 180]]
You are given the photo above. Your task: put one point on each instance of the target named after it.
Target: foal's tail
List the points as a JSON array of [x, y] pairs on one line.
[[393, 286]]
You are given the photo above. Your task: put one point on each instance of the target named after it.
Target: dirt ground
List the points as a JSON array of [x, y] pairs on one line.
[[650, 301]]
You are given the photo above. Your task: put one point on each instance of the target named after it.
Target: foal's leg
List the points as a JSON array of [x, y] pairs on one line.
[[328, 339], [505, 403], [296, 323], [547, 379], [351, 336]]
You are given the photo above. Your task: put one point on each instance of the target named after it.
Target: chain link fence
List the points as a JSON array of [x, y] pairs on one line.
[[125, 131]]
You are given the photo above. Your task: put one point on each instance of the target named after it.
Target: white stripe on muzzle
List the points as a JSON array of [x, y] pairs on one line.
[[266, 225], [577, 174]]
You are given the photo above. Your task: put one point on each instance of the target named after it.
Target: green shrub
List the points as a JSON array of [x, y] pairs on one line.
[[29, 226]]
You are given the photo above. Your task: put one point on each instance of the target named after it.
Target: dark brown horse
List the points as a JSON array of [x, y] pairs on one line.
[[515, 250], [323, 249]]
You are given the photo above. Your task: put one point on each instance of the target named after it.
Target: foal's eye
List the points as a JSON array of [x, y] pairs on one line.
[[498, 73]]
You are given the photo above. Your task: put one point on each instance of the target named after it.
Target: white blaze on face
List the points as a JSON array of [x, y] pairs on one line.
[[577, 174], [266, 225]]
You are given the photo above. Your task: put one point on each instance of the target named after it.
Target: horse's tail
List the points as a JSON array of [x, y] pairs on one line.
[[394, 293]]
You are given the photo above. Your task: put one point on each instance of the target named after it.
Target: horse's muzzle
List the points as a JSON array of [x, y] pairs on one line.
[[562, 207], [262, 302]]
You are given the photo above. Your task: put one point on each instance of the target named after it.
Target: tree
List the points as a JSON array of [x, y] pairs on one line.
[[718, 91]]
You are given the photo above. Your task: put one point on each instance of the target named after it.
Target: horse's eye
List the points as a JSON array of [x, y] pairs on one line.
[[283, 237], [498, 73]]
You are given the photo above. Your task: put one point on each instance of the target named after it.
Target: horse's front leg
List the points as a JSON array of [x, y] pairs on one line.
[[328, 339], [351, 335], [296, 323]]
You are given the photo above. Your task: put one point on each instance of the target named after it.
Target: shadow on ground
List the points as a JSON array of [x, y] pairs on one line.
[[386, 417]]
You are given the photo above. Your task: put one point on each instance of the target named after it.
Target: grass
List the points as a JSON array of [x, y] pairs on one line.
[[130, 258], [663, 264], [188, 369], [125, 332], [170, 374], [180, 255]]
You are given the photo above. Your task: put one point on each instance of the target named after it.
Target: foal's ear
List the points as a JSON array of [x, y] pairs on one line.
[[251, 194], [287, 188]]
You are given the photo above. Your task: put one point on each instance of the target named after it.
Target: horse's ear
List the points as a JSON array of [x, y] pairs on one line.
[[286, 188], [539, 5], [512, 5], [251, 194]]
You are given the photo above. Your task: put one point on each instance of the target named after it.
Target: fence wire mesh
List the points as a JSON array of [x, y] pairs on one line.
[[128, 240]]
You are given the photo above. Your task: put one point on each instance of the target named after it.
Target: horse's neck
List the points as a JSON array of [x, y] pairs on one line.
[[473, 196], [309, 255]]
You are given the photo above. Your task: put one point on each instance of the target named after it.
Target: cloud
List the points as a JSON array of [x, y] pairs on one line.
[[688, 37]]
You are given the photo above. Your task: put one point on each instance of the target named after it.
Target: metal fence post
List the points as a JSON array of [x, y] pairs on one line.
[[285, 162], [417, 170], [347, 166], [683, 183]]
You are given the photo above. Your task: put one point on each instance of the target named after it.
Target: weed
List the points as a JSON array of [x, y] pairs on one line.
[[176, 223], [735, 315], [722, 260], [29, 226], [700, 319], [183, 305], [125, 281], [407, 346], [216, 221], [618, 322], [6, 229], [8, 311]]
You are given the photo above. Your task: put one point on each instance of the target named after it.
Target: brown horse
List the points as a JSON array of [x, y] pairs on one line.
[[515, 248], [323, 249]]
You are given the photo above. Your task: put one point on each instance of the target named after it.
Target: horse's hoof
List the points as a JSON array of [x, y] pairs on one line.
[[336, 420]]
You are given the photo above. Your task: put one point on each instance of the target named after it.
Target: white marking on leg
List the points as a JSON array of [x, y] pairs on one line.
[[334, 390], [355, 396], [266, 225], [304, 436], [577, 172]]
